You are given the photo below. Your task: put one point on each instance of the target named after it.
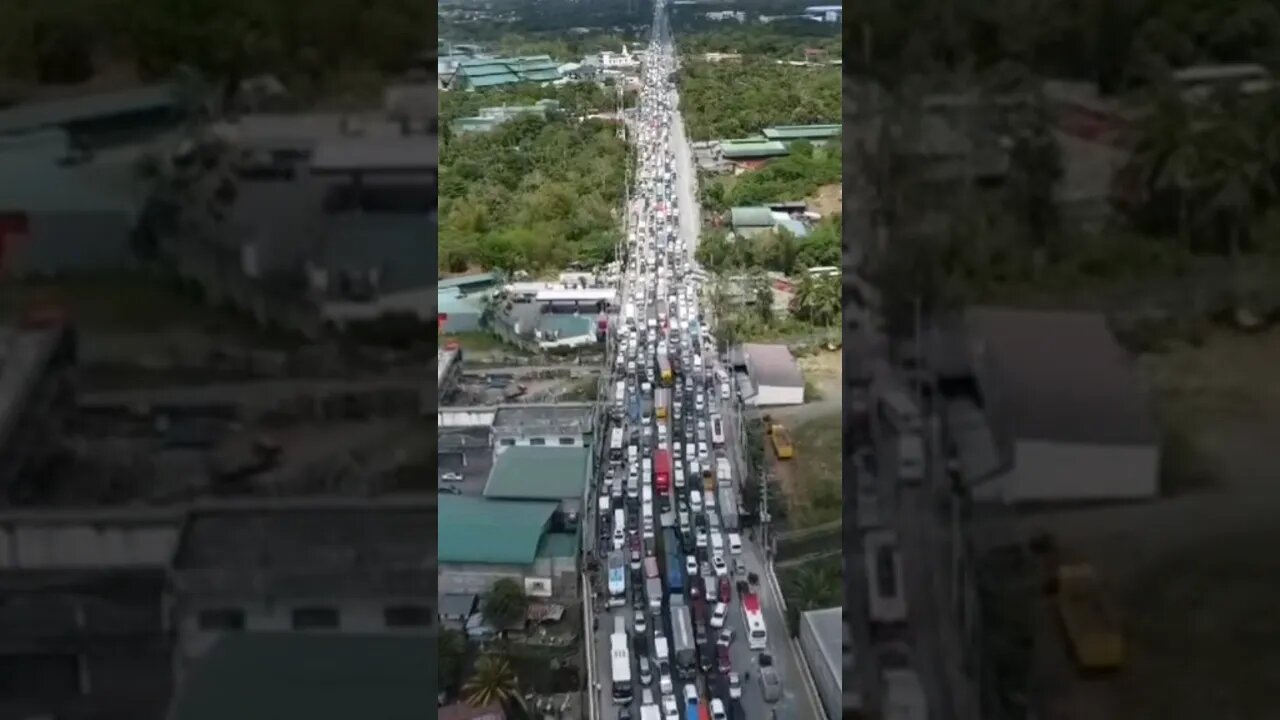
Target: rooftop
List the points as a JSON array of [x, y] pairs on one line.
[[35, 178], [1061, 376], [750, 149], [26, 117], [772, 365], [828, 628], [751, 217], [525, 472], [493, 532], [413, 154], [267, 676], [489, 278], [802, 132], [330, 537]]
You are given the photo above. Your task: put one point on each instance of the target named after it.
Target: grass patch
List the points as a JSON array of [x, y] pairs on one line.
[[812, 393], [1206, 612], [811, 480]]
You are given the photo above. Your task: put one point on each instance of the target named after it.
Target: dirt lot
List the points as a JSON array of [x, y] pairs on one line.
[[811, 480], [828, 200], [1194, 572]]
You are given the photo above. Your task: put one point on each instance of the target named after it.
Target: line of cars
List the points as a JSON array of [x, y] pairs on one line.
[[673, 556]]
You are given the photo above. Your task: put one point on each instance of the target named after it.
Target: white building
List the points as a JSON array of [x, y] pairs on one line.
[[1065, 404], [821, 633], [619, 61], [774, 377], [825, 13]]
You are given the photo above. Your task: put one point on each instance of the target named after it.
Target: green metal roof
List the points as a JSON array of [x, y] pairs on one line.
[[539, 473], [491, 532], [750, 149], [33, 180], [540, 75], [489, 278], [741, 217], [489, 68], [801, 132], [37, 116], [558, 545], [493, 80], [449, 302], [268, 676]]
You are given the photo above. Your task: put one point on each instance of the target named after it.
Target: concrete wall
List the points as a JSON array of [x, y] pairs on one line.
[[1058, 472], [30, 543], [465, 418], [771, 395], [547, 440], [464, 579], [355, 616], [824, 676]]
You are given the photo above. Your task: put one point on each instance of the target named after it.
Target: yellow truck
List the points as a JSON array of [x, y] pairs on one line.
[[781, 442], [1089, 619]]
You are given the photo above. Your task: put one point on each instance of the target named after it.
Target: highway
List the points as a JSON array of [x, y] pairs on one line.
[[659, 274]]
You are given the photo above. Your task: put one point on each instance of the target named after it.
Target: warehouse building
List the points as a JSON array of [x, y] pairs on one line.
[[483, 541], [820, 644], [1065, 402], [773, 377], [542, 473]]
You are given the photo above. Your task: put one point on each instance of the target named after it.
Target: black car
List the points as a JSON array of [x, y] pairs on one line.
[[624, 713], [706, 658]]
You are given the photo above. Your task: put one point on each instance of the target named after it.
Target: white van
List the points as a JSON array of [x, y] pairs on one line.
[[709, 500], [717, 543], [735, 544], [910, 458], [695, 501], [619, 529], [604, 506], [660, 650]]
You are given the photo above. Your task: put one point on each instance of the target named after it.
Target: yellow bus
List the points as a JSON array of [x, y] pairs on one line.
[[782, 442]]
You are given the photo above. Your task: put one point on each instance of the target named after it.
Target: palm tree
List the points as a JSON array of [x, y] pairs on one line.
[[818, 300], [1165, 160], [762, 293], [815, 586], [493, 682]]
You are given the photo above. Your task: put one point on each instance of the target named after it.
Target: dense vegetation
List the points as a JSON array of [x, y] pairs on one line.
[[739, 99], [312, 46], [532, 194], [777, 251], [1197, 201], [793, 177], [778, 40]]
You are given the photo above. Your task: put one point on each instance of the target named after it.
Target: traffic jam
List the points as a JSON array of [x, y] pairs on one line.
[[679, 598]]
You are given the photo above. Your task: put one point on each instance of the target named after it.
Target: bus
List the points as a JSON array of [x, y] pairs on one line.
[[617, 579], [620, 660], [717, 430], [757, 633], [782, 446], [887, 600], [616, 440]]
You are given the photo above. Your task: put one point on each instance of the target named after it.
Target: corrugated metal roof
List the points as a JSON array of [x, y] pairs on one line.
[[478, 278], [740, 150], [55, 113], [772, 365], [32, 178], [744, 217], [559, 545], [494, 532], [1062, 376], [493, 80], [538, 473], [318, 676], [540, 75], [798, 132], [488, 68]]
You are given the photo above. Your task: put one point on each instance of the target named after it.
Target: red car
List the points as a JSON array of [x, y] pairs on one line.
[[724, 588], [722, 656]]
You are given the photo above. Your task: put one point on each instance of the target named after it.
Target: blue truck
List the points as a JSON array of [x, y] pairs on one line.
[[675, 574], [691, 711], [633, 410]]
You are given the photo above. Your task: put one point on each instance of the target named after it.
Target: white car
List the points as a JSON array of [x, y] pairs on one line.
[[718, 615], [691, 565], [670, 709], [735, 686], [717, 709], [702, 538], [691, 694], [718, 563], [451, 477], [640, 622]]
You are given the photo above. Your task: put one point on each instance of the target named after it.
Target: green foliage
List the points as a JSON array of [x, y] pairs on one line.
[[505, 604], [792, 177], [307, 44], [503, 39], [778, 251], [531, 194], [739, 99], [575, 99], [782, 40]]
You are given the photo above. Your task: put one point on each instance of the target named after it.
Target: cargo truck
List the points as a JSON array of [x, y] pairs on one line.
[[662, 471], [781, 438], [661, 402]]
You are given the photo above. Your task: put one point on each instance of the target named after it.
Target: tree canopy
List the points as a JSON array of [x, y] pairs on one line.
[[532, 193], [782, 40], [307, 44], [793, 177], [738, 99]]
